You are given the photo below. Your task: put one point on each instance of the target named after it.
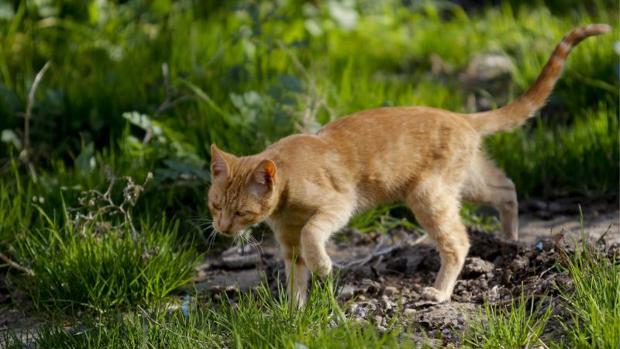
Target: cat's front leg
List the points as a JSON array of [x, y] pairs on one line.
[[314, 236], [297, 274], [297, 280]]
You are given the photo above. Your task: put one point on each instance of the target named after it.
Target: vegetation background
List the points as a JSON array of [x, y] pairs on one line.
[[137, 87]]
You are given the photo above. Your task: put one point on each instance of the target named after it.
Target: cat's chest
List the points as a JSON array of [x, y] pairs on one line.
[[290, 218]]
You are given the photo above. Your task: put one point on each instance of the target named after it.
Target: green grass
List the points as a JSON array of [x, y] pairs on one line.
[[563, 158], [16, 211], [517, 326], [100, 267], [254, 320], [589, 310], [243, 75], [593, 301]]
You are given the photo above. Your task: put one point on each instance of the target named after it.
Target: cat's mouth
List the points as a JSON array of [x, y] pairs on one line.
[[231, 233], [227, 233]]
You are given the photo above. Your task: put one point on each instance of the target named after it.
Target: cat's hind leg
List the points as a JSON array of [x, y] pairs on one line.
[[489, 185], [435, 205]]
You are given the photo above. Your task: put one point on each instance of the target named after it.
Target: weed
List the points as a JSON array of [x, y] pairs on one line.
[[518, 326], [593, 301], [251, 320]]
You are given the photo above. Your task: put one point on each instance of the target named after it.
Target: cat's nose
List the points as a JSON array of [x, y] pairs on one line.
[[225, 229]]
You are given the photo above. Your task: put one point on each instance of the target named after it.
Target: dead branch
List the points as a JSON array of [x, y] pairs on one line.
[[97, 204], [169, 100], [380, 250], [314, 101], [15, 265], [25, 155]]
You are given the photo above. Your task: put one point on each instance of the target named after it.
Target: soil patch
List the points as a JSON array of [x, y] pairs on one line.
[[382, 275]]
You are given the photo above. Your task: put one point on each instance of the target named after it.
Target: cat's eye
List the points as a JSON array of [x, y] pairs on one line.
[[216, 207], [244, 213]]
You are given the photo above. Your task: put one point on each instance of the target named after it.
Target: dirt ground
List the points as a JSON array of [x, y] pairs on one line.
[[382, 275]]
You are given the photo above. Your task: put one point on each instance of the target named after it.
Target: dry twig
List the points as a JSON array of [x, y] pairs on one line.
[[15, 265], [169, 101], [98, 204], [314, 101], [25, 155], [380, 250]]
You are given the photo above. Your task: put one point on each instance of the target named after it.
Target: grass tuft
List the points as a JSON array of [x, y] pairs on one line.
[[102, 270], [252, 320], [517, 326], [594, 300]]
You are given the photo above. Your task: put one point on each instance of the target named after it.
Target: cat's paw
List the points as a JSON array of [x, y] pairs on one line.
[[320, 266], [298, 301], [435, 295]]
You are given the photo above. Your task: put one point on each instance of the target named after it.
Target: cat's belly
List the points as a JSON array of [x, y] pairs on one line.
[[372, 195]]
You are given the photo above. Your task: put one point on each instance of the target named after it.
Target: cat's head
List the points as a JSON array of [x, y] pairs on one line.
[[242, 192]]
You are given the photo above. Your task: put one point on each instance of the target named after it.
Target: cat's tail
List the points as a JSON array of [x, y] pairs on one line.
[[517, 112]]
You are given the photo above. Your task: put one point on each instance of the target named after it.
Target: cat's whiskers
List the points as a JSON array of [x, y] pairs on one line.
[[255, 244], [211, 239], [205, 225]]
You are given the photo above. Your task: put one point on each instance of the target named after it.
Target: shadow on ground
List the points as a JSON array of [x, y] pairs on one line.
[[381, 276]]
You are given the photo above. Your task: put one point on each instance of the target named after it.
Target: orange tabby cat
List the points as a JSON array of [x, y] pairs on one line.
[[307, 187]]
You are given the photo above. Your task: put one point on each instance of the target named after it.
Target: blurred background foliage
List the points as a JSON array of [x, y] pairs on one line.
[[137, 86]]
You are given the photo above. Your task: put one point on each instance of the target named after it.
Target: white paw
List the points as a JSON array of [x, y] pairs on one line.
[[433, 294], [297, 301]]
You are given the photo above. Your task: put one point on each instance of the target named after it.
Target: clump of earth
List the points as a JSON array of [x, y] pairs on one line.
[[381, 276]]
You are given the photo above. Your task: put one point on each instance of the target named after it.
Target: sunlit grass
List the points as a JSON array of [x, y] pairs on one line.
[[253, 320], [593, 301], [582, 158], [243, 76], [383, 60], [101, 267], [517, 326]]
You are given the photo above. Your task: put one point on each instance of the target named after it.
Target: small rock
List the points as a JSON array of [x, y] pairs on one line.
[[444, 314], [230, 280], [476, 265], [390, 291], [347, 292], [493, 295], [386, 303], [519, 263], [363, 310], [201, 275], [409, 312], [204, 265], [371, 286], [239, 261]]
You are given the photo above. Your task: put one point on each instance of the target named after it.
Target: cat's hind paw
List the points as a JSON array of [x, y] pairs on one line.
[[435, 295]]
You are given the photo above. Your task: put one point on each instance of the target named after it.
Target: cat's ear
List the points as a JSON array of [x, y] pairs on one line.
[[264, 178], [220, 169]]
